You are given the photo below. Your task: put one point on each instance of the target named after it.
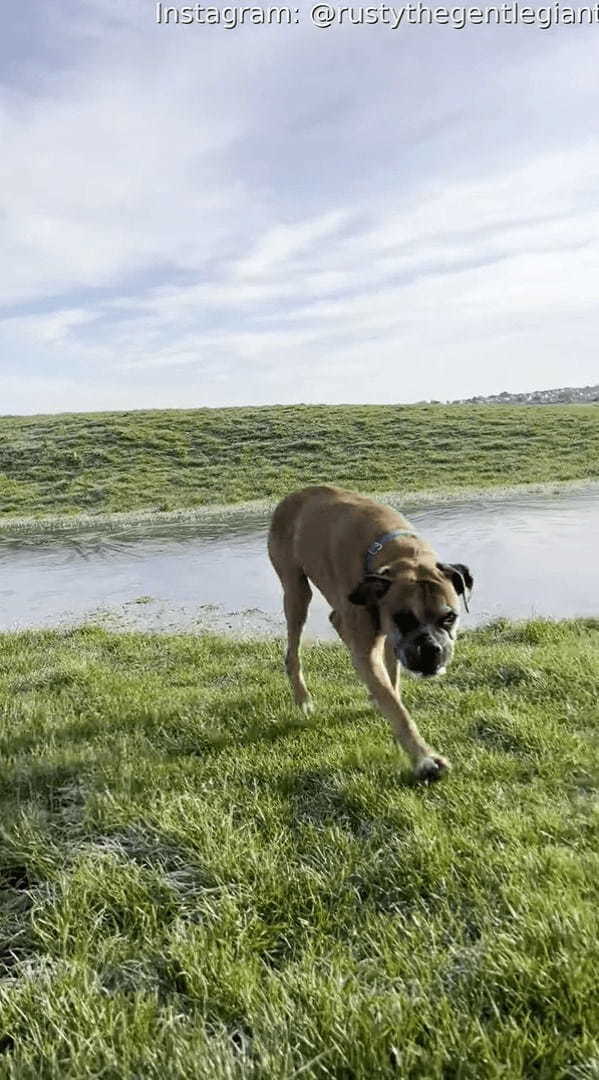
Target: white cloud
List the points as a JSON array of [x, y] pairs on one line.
[[284, 243], [185, 223]]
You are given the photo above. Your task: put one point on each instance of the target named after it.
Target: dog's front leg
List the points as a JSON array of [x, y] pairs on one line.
[[370, 665]]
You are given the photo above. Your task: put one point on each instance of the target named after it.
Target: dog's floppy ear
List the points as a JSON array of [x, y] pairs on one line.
[[460, 578], [370, 589]]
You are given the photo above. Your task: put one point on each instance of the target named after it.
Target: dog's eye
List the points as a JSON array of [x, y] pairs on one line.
[[405, 621], [448, 620]]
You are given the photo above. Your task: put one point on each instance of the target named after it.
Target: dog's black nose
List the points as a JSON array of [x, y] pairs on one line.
[[430, 654]]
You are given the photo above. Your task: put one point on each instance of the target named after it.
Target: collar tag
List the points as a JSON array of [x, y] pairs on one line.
[[377, 545], [375, 548]]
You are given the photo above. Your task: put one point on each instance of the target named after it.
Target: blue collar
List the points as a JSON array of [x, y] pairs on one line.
[[377, 545]]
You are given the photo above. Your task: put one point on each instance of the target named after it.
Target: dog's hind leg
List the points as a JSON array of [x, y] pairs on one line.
[[297, 596]]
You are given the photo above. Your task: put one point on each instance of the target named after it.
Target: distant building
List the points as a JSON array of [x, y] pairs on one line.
[[567, 395]]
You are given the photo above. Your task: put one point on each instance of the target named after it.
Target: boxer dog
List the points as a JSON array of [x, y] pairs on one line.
[[393, 603]]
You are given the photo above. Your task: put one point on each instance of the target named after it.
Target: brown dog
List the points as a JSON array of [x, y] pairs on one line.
[[393, 602]]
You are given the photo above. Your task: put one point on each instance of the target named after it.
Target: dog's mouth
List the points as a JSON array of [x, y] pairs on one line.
[[418, 673], [424, 662]]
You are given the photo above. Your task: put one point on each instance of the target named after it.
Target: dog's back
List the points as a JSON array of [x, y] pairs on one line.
[[290, 511], [327, 525]]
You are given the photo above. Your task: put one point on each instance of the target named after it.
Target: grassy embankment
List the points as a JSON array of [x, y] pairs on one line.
[[100, 463], [195, 883]]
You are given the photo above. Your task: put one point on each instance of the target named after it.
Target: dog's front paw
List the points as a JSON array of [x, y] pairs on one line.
[[307, 707], [431, 768]]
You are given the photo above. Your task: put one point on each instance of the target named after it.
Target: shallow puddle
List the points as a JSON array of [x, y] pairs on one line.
[[530, 555]]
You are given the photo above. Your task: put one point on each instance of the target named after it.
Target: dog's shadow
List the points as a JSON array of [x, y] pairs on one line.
[[222, 730], [317, 797], [324, 799], [215, 739]]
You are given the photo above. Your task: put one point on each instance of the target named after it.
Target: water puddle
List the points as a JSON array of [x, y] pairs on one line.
[[533, 555]]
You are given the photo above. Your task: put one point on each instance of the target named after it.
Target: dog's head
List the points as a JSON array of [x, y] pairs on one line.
[[419, 613]]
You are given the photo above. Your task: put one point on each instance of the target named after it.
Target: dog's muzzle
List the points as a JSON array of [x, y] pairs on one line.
[[425, 656]]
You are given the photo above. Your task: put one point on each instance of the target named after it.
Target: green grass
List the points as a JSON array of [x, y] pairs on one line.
[[106, 462], [196, 883]]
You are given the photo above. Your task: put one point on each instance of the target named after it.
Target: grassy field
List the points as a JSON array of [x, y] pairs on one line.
[[196, 883], [168, 460]]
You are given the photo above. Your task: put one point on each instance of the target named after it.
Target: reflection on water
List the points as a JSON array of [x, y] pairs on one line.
[[530, 555]]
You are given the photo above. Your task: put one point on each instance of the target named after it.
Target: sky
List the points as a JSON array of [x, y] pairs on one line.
[[274, 214]]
